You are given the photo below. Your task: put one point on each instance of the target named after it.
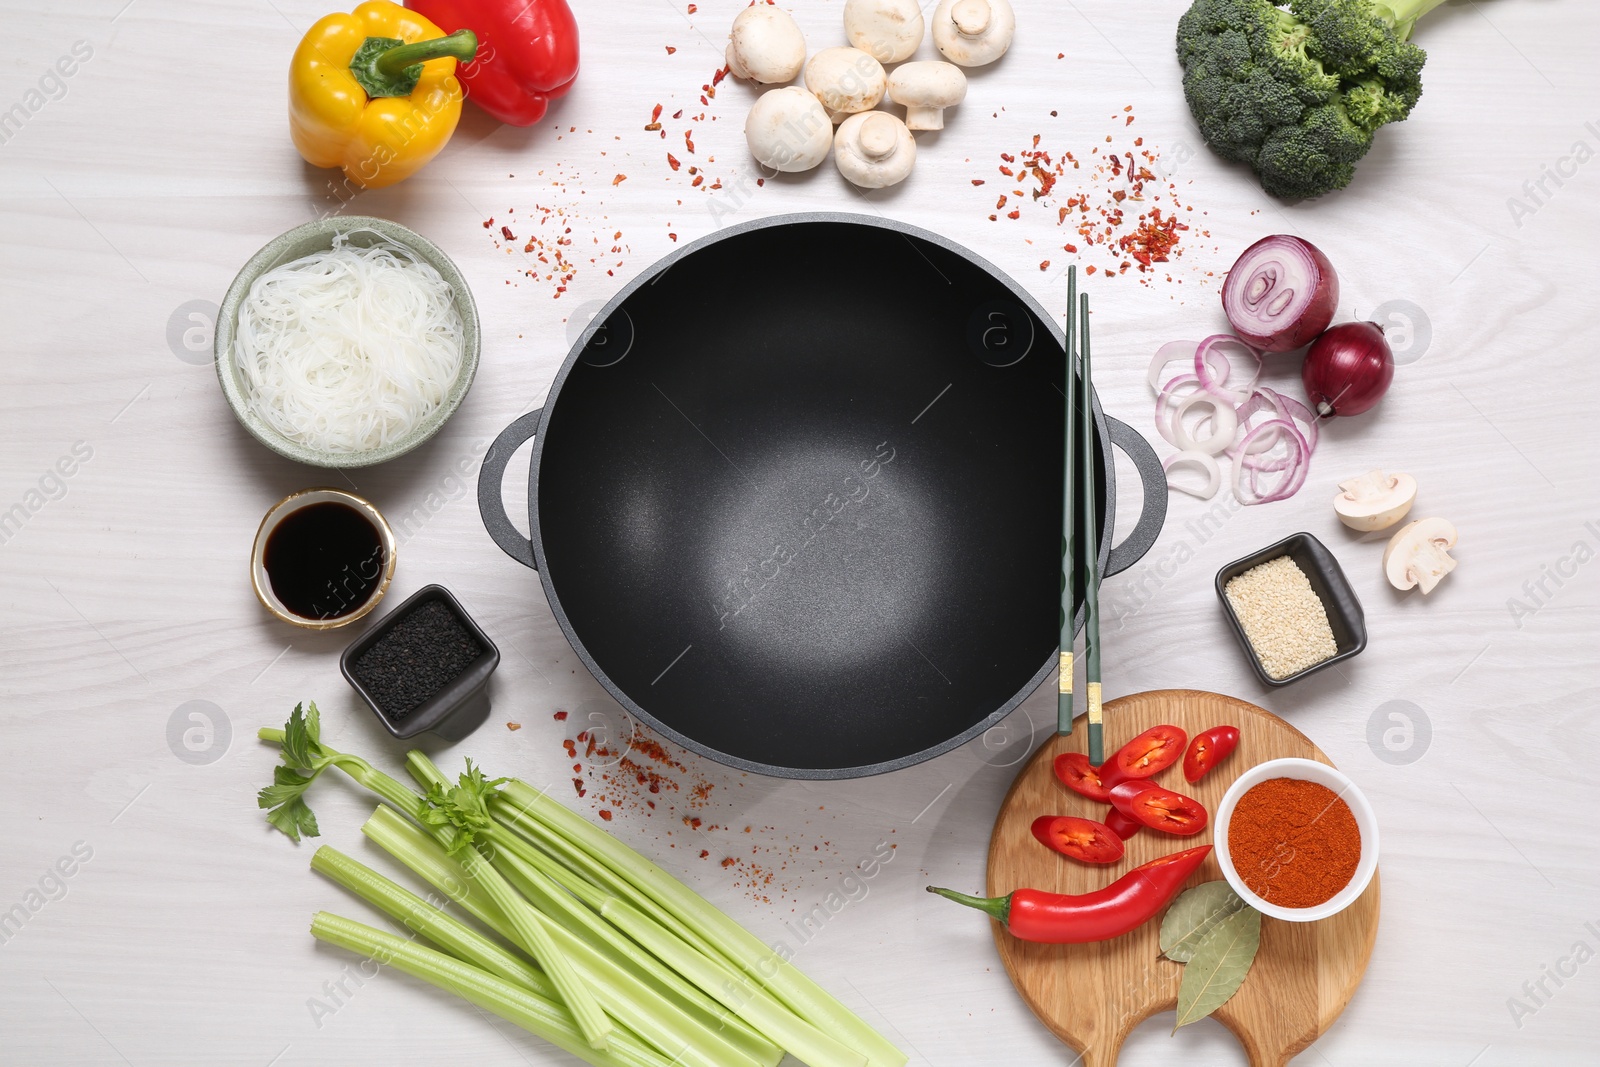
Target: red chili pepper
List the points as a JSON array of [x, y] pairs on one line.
[[1062, 919], [1209, 749], [527, 52]]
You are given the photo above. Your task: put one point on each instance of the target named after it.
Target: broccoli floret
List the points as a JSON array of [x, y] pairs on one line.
[[1297, 92]]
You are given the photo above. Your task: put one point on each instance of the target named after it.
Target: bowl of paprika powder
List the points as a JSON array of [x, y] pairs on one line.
[[1296, 839]]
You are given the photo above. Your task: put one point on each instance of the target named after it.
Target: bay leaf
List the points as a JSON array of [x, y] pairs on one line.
[[1219, 965], [1193, 915]]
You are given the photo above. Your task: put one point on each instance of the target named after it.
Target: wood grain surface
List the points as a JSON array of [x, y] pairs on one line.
[[1093, 995]]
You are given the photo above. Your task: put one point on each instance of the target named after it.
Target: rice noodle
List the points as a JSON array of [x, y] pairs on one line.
[[347, 350]]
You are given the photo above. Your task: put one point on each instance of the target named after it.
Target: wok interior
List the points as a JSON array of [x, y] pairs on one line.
[[806, 519]]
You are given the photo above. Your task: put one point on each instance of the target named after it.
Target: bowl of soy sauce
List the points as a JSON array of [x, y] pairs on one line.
[[322, 559]]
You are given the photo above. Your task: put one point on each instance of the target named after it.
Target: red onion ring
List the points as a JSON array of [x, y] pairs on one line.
[[1208, 466], [1296, 470], [1213, 382]]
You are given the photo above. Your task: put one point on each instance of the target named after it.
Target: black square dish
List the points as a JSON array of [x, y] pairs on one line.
[[431, 669], [1345, 617]]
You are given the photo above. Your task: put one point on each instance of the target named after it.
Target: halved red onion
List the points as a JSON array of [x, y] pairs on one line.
[[1206, 463], [1213, 366], [1280, 294]]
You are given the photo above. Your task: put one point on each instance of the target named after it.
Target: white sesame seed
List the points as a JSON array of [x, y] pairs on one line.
[[1283, 618]]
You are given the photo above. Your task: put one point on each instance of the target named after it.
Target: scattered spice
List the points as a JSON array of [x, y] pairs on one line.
[[1118, 202], [1283, 618], [513, 726], [1294, 843], [619, 179]]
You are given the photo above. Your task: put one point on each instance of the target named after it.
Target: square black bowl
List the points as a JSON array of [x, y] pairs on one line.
[[455, 710], [1345, 617]]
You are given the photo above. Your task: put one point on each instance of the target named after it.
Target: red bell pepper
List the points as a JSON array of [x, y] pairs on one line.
[[527, 52], [1059, 919]]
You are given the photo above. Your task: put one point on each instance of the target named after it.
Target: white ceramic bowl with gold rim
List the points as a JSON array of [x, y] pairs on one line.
[[262, 584], [1308, 771]]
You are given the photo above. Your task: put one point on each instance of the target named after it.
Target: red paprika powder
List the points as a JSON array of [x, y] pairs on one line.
[[1294, 843]]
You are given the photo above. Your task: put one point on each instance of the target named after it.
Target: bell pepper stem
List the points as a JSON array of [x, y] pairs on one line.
[[386, 66], [461, 45], [997, 908]]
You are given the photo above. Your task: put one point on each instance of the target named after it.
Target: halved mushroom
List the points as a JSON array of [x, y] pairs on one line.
[[765, 46], [1419, 554], [874, 149], [972, 33], [926, 88], [1375, 501], [846, 80], [788, 130], [888, 30]]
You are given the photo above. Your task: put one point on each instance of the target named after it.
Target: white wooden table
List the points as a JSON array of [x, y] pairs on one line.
[[138, 185]]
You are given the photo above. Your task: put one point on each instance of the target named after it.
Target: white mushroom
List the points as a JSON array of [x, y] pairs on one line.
[[926, 89], [788, 130], [888, 30], [1375, 501], [972, 33], [1419, 554], [765, 46], [846, 80], [874, 149]]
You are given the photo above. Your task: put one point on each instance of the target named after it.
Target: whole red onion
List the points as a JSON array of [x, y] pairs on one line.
[[1280, 294], [1348, 369]]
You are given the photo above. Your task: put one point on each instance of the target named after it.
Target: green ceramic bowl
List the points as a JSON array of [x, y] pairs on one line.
[[303, 241]]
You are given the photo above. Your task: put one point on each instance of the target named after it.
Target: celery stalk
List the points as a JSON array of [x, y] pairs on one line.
[[761, 966], [525, 932], [575, 858], [536, 1014], [751, 1003], [632, 1001], [449, 933]]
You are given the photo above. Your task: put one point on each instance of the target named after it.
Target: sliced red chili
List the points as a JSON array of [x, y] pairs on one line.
[[1081, 839], [1158, 808], [1150, 753], [1120, 824], [1209, 749], [1074, 771]]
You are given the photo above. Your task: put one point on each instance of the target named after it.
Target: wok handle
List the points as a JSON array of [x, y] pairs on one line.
[[491, 489], [1152, 477]]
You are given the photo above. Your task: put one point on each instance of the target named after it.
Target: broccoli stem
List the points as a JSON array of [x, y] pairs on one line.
[[1407, 12]]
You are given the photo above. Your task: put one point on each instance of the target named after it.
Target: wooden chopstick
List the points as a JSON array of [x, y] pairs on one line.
[[1090, 549], [1069, 529]]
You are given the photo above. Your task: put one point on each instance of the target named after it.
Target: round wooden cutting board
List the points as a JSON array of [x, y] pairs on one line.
[[1091, 996]]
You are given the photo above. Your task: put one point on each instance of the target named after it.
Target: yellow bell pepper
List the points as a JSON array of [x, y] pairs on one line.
[[375, 92]]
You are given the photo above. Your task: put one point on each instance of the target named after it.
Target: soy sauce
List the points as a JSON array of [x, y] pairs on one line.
[[324, 560]]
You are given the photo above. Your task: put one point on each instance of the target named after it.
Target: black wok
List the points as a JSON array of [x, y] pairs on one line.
[[795, 495]]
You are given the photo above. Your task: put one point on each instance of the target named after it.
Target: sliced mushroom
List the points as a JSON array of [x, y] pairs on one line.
[[846, 80], [888, 30], [788, 130], [1419, 554], [926, 89], [874, 149], [765, 46], [972, 33], [1375, 501]]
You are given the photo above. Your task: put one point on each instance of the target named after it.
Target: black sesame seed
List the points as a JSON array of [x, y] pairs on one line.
[[419, 655]]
